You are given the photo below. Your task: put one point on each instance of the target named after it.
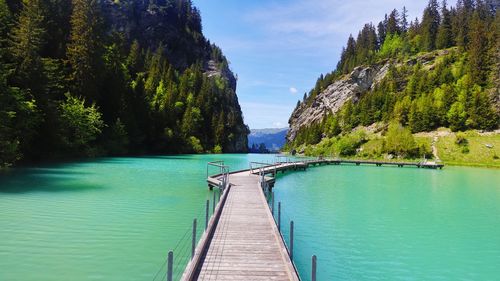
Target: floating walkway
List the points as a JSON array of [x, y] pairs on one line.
[[242, 240]]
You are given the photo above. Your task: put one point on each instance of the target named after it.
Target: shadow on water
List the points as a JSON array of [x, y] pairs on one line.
[[166, 157], [44, 179], [64, 176]]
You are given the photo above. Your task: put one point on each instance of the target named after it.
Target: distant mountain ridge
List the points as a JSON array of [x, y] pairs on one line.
[[273, 138]]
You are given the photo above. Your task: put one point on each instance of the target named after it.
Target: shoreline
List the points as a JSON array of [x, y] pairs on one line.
[[446, 163]]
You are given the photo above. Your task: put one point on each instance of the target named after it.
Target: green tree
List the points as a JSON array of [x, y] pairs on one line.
[[430, 25], [478, 50], [58, 14], [393, 23], [481, 114], [134, 59], [5, 25], [117, 140], [28, 39], [461, 22], [382, 31], [400, 141], [457, 116], [80, 125], [444, 38], [404, 20], [393, 46], [86, 48], [18, 118]]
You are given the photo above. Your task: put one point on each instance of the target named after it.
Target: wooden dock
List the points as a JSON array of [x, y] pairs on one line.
[[242, 240], [422, 164]]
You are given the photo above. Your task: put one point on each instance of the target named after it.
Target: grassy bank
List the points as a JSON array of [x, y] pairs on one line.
[[470, 148], [482, 150]]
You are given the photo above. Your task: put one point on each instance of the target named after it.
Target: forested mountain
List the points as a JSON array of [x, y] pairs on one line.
[[442, 70], [107, 77]]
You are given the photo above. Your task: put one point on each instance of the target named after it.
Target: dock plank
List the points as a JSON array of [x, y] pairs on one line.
[[246, 243]]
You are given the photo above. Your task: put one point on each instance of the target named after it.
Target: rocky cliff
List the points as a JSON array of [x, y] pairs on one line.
[[352, 86], [176, 27]]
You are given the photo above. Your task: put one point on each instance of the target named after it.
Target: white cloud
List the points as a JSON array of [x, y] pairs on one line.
[[278, 125], [293, 90], [322, 24]]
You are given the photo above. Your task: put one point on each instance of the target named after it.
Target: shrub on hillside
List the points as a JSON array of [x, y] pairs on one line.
[[348, 144], [400, 141]]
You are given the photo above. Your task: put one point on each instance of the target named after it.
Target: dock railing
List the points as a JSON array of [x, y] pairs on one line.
[[223, 174], [282, 159], [280, 217], [185, 253], [261, 165], [182, 260]]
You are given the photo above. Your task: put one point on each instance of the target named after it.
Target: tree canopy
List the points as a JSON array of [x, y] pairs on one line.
[[89, 77]]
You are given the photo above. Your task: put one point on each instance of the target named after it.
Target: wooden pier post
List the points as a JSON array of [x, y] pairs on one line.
[[206, 214], [214, 203], [291, 241], [313, 272], [272, 208], [170, 263], [193, 241], [279, 216]]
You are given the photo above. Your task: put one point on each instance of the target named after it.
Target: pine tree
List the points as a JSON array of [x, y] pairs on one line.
[[28, 39], [85, 49], [135, 59], [444, 38], [461, 23], [5, 23], [382, 31], [348, 58], [57, 22], [404, 20], [393, 23], [478, 48], [430, 25]]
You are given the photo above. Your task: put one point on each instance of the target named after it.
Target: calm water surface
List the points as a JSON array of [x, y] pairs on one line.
[[116, 218], [371, 223], [108, 219]]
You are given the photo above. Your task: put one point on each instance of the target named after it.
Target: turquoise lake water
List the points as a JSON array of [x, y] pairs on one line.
[[116, 219], [383, 223]]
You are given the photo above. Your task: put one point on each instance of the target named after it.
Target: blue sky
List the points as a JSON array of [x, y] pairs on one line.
[[278, 48]]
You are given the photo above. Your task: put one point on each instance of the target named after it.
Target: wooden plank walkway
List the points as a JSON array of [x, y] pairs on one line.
[[246, 244], [242, 241]]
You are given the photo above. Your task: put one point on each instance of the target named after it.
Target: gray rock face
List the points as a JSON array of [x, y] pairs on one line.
[[353, 86], [212, 69]]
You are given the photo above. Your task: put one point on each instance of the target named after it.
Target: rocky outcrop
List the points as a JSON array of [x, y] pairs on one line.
[[352, 86], [157, 23], [214, 69]]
